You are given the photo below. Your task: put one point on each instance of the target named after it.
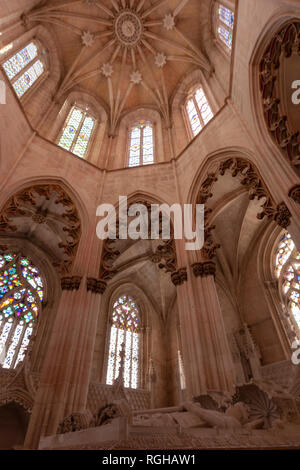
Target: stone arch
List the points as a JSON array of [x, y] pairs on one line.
[[30, 201], [127, 120], [14, 418], [45, 88], [238, 164], [271, 117]]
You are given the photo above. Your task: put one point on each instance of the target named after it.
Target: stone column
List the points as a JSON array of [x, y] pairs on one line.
[[217, 359], [190, 330], [65, 374]]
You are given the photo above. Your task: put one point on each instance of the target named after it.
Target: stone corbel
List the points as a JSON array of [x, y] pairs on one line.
[[179, 277], [70, 282], [207, 268], [97, 286]]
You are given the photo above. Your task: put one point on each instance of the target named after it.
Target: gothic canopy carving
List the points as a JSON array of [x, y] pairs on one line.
[[47, 216]]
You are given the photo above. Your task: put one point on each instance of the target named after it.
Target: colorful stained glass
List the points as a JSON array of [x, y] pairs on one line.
[[141, 149], [20, 60], [21, 294], [226, 16], [198, 110], [28, 78], [124, 328], [225, 36], [287, 270], [77, 132], [225, 25]]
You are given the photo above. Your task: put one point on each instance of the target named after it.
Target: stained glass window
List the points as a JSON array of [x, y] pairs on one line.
[[124, 329], [198, 111], [287, 270], [141, 149], [24, 68], [224, 24], [77, 132], [21, 295]]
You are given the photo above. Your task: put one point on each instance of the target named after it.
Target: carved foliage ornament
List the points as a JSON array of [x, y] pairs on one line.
[[165, 254], [284, 44], [255, 186], [26, 204]]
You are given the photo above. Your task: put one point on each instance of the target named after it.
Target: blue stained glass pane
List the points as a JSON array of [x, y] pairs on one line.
[[226, 16]]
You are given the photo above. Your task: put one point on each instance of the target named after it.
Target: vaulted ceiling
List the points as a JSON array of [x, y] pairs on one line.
[[128, 53]]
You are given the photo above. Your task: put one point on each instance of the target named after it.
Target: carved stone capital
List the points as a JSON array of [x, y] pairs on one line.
[[178, 277], [294, 193], [207, 268], [97, 286], [70, 282]]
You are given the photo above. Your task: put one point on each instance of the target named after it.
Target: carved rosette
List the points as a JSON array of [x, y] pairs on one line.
[[283, 45], [207, 268], [97, 286], [70, 282], [295, 193], [179, 277]]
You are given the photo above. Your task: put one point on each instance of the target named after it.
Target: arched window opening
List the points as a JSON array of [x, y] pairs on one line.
[[125, 327], [25, 67], [141, 146], [287, 270], [198, 110], [77, 131], [224, 23], [21, 296]]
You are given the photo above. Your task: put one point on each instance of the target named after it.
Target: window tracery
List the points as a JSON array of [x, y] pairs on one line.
[[287, 270], [25, 67], [198, 110], [21, 296], [77, 131], [141, 146], [125, 328]]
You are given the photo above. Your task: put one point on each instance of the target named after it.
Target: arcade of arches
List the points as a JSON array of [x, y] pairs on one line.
[[175, 101]]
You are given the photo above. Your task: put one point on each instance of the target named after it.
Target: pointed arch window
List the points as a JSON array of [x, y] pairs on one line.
[[198, 110], [125, 328], [141, 145], [287, 270], [21, 296], [77, 131], [224, 24], [25, 67]]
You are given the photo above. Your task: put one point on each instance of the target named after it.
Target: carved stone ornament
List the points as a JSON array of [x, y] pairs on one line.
[[179, 277], [295, 193], [41, 203], [70, 282], [208, 268], [76, 422], [252, 181], [97, 286], [283, 45]]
